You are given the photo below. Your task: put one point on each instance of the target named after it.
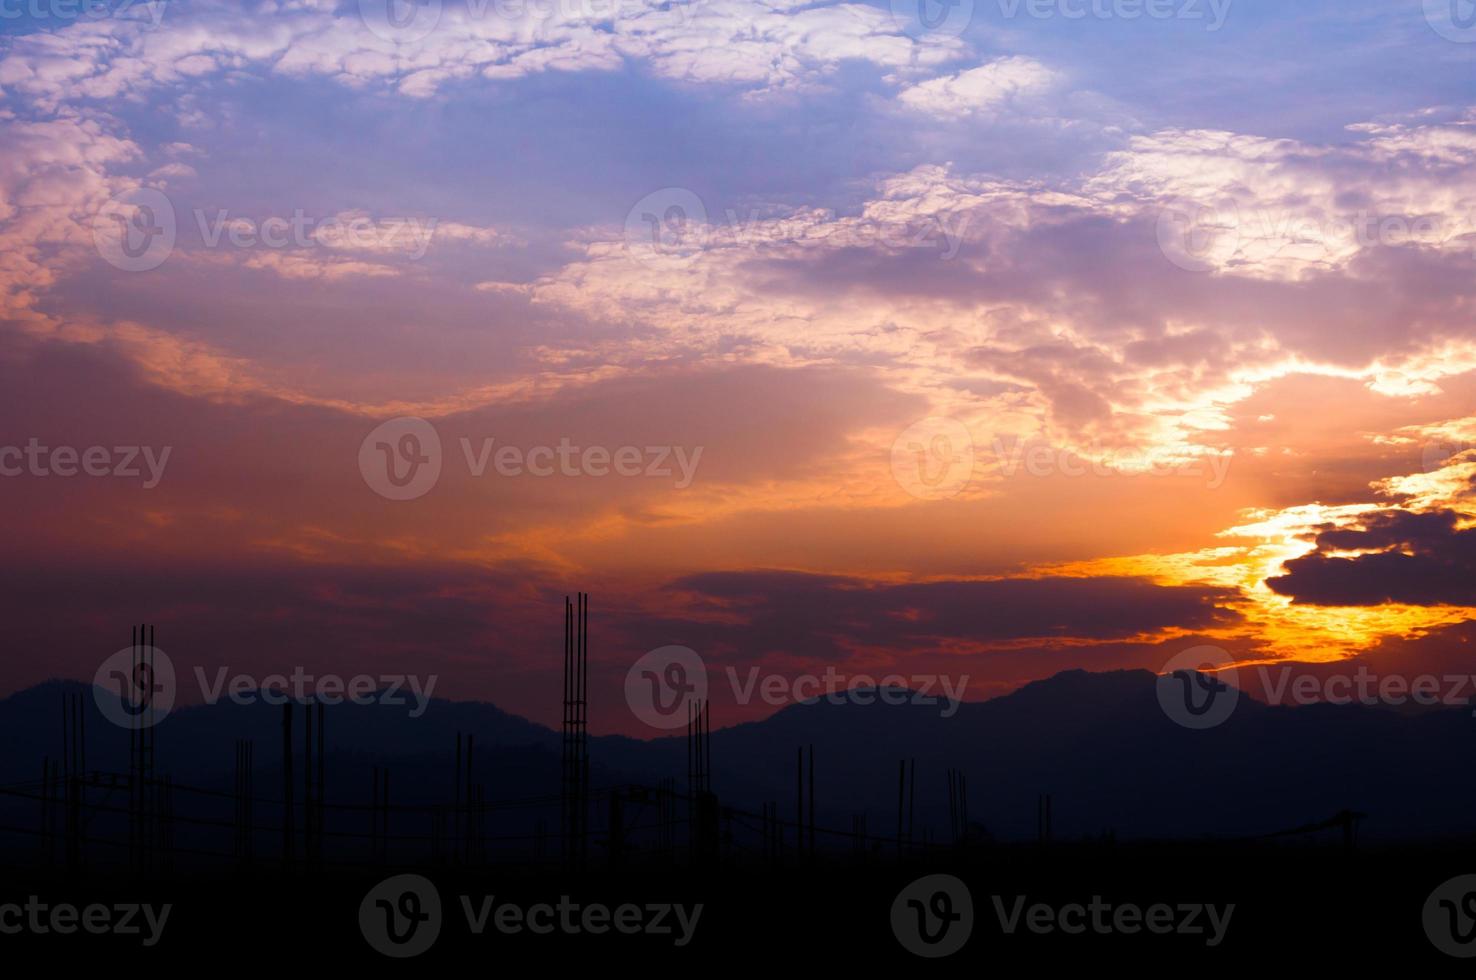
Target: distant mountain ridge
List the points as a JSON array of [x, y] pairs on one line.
[[1099, 743]]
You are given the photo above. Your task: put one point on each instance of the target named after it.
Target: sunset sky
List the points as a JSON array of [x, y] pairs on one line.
[[1023, 342]]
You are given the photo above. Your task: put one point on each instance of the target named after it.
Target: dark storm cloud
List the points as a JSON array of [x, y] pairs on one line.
[[1410, 558], [774, 605], [271, 617]]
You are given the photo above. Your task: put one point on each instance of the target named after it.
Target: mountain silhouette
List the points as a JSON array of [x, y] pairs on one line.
[[1099, 743]]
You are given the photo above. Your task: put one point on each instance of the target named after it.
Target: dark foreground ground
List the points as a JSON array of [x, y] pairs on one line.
[[1294, 905]]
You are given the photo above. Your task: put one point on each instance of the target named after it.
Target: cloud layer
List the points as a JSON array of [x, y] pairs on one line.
[[1196, 344]]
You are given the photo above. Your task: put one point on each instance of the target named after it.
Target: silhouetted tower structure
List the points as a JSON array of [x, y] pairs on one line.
[[666, 805], [288, 834], [702, 808], [804, 833], [958, 806], [1349, 820], [615, 827], [1043, 818], [379, 817], [906, 803], [467, 802], [1345, 820], [812, 803], [143, 796], [166, 823], [245, 762], [799, 802], [456, 782], [318, 796], [769, 821], [312, 781], [74, 775], [699, 752], [575, 795], [50, 797], [307, 781]]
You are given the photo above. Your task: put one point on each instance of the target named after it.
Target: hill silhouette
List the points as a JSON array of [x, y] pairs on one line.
[[1099, 743]]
